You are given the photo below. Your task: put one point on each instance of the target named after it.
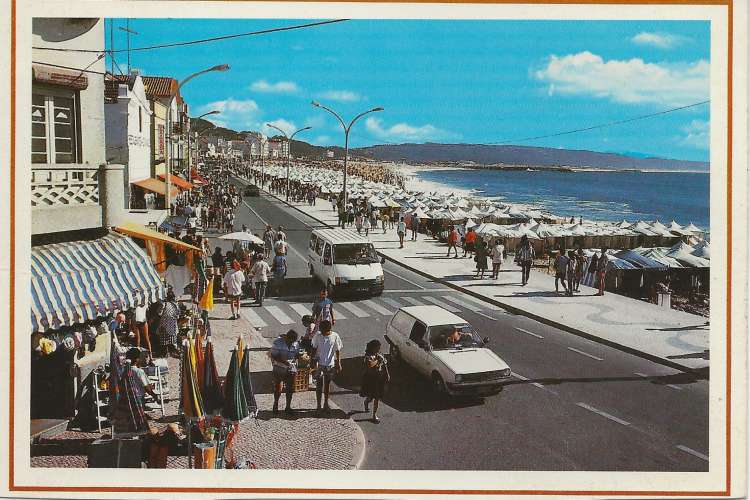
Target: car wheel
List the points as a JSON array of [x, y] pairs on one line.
[[438, 384]]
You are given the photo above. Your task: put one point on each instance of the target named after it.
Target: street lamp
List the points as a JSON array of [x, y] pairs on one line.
[[346, 128], [288, 151], [168, 166], [211, 125]]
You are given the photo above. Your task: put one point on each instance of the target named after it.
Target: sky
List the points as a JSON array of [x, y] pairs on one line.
[[446, 81]]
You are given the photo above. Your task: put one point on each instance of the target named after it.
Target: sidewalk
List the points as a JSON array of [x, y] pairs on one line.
[[664, 335], [304, 441]]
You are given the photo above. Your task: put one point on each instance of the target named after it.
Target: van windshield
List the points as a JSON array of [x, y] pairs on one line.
[[355, 253]]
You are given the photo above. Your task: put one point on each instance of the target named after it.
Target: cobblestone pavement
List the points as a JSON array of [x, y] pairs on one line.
[[303, 441]]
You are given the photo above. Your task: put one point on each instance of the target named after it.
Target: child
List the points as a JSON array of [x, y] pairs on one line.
[[374, 377]]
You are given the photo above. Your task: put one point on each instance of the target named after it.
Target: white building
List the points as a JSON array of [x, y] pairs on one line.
[[128, 132], [278, 147], [258, 144]]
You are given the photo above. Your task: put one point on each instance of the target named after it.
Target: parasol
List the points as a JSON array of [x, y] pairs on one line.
[[235, 405], [242, 236], [213, 399]]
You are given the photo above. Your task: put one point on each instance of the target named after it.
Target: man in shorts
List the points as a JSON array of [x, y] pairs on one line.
[[327, 346], [401, 230], [233, 281], [284, 354]]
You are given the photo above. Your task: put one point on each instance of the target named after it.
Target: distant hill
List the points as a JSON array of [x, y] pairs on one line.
[[522, 155], [481, 154]]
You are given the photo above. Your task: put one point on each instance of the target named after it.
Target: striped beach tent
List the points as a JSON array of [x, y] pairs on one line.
[[78, 281]]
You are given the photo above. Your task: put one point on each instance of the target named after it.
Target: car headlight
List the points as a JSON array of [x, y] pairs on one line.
[[459, 378], [505, 372], [380, 279]]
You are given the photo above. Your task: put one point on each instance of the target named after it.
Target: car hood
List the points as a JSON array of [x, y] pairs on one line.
[[461, 361]]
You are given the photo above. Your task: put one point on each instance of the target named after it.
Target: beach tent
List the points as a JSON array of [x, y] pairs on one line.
[[641, 261], [693, 229], [470, 223], [683, 253], [659, 254], [702, 249]]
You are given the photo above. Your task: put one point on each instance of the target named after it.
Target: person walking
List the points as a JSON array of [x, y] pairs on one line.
[[525, 258], [280, 247], [169, 314], [498, 253], [601, 270], [453, 241], [140, 326], [470, 240], [366, 225], [279, 269], [358, 221], [284, 353], [481, 259], [269, 238], [401, 231], [233, 281], [374, 377], [414, 227], [561, 268], [384, 219], [259, 272], [580, 268], [327, 346], [322, 309], [571, 270]]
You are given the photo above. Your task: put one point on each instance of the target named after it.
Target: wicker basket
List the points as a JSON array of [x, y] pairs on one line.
[[302, 380]]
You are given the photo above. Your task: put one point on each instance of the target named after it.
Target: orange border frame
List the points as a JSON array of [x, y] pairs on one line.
[[401, 491]]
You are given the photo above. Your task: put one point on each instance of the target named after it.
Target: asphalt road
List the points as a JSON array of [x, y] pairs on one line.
[[572, 404]]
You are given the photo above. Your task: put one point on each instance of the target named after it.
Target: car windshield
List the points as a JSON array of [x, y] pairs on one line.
[[355, 253], [441, 337]]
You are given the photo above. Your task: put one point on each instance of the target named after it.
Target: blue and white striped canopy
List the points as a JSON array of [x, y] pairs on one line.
[[82, 280]]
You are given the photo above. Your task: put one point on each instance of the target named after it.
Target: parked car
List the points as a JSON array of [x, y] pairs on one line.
[[251, 190], [345, 261], [420, 336]]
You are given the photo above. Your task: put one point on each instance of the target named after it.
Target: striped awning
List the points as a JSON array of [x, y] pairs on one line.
[[82, 280]]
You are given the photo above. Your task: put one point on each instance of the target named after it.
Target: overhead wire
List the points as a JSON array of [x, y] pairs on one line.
[[202, 40]]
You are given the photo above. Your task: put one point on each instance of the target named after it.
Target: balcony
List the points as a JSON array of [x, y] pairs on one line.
[[65, 197]]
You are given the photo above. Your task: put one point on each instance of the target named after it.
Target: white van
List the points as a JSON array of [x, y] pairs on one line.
[[345, 261]]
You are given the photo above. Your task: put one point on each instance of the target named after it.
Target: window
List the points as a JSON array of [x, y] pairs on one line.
[[313, 240], [402, 322], [327, 255], [355, 253], [417, 334], [54, 129], [319, 246]]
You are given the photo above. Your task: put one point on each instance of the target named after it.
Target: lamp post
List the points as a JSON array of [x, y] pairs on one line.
[[168, 166], [288, 151], [346, 128], [214, 112]]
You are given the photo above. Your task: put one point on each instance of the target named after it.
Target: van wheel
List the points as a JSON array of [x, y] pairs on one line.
[[438, 384]]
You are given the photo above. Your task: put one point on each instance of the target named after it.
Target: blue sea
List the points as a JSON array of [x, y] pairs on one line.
[[613, 196]]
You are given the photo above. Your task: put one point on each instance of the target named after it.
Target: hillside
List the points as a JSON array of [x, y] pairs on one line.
[[522, 155], [481, 154]]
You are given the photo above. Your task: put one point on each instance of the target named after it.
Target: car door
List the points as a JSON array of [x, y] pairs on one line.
[[398, 332], [418, 350]]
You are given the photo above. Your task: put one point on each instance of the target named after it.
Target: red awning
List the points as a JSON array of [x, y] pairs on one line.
[[157, 186], [178, 181]]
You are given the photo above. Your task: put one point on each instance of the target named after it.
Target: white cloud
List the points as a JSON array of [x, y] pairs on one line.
[[404, 131], [659, 40], [698, 134], [237, 114], [340, 95], [322, 140], [627, 81], [285, 125], [274, 88], [315, 121]]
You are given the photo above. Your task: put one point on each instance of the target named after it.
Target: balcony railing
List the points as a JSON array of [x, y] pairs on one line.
[[54, 185]]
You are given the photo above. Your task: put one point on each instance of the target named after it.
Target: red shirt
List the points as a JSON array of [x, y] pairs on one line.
[[453, 236], [471, 237]]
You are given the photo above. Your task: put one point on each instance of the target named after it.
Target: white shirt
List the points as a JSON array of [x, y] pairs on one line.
[[497, 254], [140, 314], [327, 346], [233, 280], [260, 271], [280, 246]]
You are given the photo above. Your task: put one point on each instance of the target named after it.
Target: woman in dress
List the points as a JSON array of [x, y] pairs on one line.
[[167, 331], [498, 253], [374, 377], [481, 258]]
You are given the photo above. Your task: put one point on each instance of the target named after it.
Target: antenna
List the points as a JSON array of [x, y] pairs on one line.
[[129, 32]]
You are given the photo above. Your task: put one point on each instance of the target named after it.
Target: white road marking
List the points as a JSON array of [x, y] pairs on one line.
[[377, 307], [279, 315], [442, 304], [460, 302], [353, 309], [692, 452], [413, 301], [300, 309], [405, 291], [528, 332], [480, 302], [584, 354], [251, 316], [535, 384], [404, 279], [603, 414], [671, 386], [391, 302]]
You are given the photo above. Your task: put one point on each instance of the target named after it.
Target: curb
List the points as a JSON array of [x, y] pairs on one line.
[[703, 372], [360, 447]]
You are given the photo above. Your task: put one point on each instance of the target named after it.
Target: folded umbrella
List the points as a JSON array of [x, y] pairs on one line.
[[213, 399], [191, 402], [247, 384], [235, 405]]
